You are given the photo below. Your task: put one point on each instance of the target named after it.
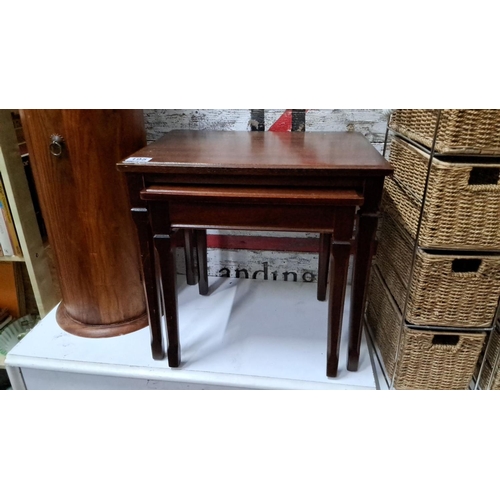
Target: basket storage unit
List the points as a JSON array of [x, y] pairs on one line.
[[448, 289], [462, 208], [491, 357], [461, 131], [449, 278], [427, 359]]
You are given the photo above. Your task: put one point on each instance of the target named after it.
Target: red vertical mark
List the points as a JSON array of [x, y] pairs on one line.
[[283, 123]]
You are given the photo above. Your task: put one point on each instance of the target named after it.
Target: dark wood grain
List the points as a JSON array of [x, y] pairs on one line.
[[190, 257], [252, 217], [270, 181], [340, 252], [365, 249], [325, 243], [268, 178], [151, 282], [201, 242], [87, 213], [247, 153], [166, 255], [257, 195], [167, 214], [164, 238]]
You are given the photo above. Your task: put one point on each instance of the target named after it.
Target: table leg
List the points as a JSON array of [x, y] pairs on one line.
[[164, 242], [189, 255], [325, 243], [150, 280], [149, 267], [340, 251], [365, 245], [201, 243]]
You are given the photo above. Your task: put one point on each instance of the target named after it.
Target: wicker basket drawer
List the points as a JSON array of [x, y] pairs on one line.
[[447, 289], [467, 182], [465, 131], [467, 218], [427, 359], [489, 364]]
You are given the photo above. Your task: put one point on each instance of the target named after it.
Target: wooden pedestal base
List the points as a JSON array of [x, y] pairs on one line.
[[71, 325]]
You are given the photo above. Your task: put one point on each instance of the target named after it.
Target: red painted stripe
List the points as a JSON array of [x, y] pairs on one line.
[[276, 244], [283, 123]]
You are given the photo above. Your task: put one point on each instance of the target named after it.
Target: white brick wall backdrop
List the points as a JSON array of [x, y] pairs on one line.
[[370, 122], [280, 265]]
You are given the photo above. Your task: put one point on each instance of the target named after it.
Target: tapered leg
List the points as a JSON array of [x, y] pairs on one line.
[[365, 245], [201, 243], [341, 250], [164, 239], [166, 254], [325, 243], [190, 256], [150, 280], [361, 275]]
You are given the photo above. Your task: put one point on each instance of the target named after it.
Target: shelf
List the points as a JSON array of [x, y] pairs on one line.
[[12, 259], [18, 194]]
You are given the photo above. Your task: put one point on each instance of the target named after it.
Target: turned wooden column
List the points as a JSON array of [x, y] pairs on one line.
[[85, 205]]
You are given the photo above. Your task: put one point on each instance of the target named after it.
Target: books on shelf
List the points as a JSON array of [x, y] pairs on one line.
[[9, 242], [7, 249], [12, 296], [25, 157]]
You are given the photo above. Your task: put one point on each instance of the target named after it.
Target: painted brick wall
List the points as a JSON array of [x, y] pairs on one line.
[[283, 262], [370, 122]]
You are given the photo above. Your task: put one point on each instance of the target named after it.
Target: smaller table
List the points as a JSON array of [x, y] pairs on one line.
[[260, 181]]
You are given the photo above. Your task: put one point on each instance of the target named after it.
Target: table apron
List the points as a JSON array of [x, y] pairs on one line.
[[251, 217], [282, 180]]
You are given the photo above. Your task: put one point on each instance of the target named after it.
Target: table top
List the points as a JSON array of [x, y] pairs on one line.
[[190, 151]]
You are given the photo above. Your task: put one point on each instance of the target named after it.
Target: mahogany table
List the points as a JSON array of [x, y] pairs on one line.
[[190, 181]]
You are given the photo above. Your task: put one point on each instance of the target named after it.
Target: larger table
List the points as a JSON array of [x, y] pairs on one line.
[[190, 181]]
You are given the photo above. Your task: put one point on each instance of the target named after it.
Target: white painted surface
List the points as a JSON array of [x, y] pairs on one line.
[[160, 121], [245, 335], [279, 266], [15, 377]]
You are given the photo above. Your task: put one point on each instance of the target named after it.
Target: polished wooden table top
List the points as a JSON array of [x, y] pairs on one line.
[[251, 153]]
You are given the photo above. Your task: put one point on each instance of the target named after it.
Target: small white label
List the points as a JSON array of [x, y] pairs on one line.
[[137, 159]]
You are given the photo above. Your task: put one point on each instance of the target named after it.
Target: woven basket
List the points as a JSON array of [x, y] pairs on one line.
[[491, 357], [462, 208], [446, 290], [428, 359], [464, 131], [410, 168], [450, 220]]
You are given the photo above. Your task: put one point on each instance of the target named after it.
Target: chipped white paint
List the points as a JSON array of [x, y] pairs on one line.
[[264, 265], [270, 117], [160, 121], [370, 122]]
